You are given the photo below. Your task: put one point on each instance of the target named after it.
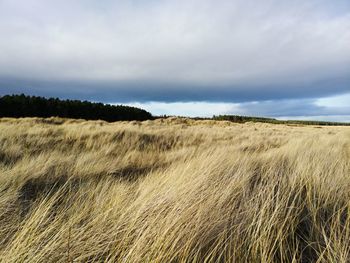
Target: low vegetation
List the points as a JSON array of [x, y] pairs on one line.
[[173, 190], [243, 119]]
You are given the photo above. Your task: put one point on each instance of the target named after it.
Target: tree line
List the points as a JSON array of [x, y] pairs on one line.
[[34, 106]]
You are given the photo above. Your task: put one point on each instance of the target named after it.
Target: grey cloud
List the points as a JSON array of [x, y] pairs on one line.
[[175, 50], [143, 91]]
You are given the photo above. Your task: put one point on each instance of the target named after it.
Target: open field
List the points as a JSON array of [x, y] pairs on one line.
[[173, 190]]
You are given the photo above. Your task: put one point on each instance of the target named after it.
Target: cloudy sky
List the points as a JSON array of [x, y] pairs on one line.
[[278, 58]]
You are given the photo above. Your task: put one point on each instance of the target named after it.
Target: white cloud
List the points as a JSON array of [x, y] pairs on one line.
[[325, 109], [342, 101], [189, 109]]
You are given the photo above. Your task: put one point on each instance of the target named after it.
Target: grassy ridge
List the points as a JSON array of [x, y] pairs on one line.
[[173, 190]]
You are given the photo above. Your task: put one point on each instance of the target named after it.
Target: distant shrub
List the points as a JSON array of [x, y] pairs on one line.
[[243, 119]]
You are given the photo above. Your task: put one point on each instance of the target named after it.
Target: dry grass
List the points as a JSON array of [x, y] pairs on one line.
[[173, 190]]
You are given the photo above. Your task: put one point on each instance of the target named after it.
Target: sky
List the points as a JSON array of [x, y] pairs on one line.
[[274, 58]]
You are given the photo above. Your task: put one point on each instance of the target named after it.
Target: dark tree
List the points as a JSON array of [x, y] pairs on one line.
[[32, 106]]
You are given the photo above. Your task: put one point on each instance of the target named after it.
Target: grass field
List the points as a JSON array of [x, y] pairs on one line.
[[173, 190]]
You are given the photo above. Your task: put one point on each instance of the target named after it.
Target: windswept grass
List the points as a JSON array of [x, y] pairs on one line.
[[173, 190]]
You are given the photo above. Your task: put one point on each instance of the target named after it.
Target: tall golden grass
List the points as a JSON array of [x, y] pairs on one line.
[[173, 190]]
